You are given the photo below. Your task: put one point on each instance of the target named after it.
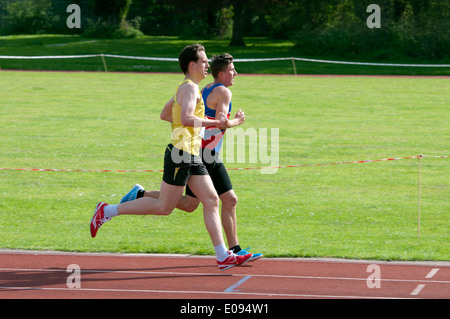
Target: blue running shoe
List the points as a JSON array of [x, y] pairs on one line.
[[131, 194], [254, 256]]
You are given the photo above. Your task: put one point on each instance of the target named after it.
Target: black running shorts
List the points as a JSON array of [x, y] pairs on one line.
[[217, 172], [179, 165]]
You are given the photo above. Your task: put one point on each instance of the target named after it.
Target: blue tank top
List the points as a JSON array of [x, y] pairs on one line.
[[213, 137]]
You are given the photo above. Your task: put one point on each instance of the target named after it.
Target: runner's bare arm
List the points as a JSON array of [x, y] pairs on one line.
[[166, 113], [223, 103]]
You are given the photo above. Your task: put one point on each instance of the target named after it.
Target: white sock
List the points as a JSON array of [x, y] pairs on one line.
[[221, 252], [111, 211]]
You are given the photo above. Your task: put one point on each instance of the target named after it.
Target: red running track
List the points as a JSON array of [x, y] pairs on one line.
[[45, 275]]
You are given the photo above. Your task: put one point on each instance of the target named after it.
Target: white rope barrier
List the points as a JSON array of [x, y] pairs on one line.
[[26, 57], [293, 59], [375, 64]]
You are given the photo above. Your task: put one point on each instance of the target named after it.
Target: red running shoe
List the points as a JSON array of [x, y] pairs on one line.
[[233, 260], [99, 218]]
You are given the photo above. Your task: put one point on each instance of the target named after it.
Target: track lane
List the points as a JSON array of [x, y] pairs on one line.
[[44, 275]]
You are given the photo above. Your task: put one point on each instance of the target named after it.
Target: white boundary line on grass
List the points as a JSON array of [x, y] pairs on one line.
[[236, 60]]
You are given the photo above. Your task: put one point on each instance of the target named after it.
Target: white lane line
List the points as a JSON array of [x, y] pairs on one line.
[[432, 273], [87, 271], [275, 295], [416, 291], [240, 282], [419, 288]]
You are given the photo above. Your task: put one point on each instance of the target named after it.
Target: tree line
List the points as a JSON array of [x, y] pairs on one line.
[[408, 28]]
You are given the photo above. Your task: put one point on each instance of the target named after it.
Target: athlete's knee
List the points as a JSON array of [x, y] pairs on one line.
[[230, 200], [211, 201], [165, 209], [233, 200], [191, 207], [188, 203], [188, 207]]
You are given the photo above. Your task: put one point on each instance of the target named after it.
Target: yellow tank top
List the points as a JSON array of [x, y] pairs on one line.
[[187, 138]]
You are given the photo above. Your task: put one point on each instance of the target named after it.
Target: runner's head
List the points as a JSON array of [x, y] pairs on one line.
[[219, 63], [191, 53], [222, 69]]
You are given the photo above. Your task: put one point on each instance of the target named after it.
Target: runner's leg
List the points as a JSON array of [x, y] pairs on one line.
[[203, 188], [229, 223], [163, 205], [186, 203]]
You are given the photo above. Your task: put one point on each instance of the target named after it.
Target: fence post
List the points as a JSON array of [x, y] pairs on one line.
[[293, 64], [104, 62], [419, 157]]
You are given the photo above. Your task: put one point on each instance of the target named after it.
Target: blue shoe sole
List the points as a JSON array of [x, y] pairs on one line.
[[131, 195]]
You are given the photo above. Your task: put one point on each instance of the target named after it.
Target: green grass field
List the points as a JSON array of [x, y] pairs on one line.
[[111, 121], [169, 47]]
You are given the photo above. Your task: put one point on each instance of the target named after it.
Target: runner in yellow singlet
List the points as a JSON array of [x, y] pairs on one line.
[[182, 163], [186, 138], [217, 99]]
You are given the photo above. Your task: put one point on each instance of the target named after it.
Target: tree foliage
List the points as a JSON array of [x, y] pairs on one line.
[[113, 12], [409, 28], [412, 28]]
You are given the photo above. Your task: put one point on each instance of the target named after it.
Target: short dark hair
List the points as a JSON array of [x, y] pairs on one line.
[[219, 63], [189, 54]]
